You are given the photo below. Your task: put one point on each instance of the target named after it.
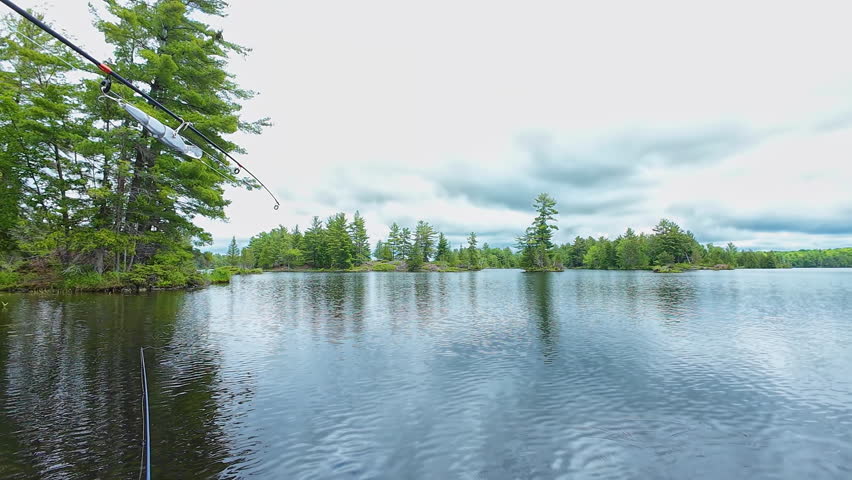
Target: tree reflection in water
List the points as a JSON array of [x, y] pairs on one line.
[[70, 392], [539, 291]]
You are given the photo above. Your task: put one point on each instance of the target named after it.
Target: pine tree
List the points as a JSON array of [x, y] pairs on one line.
[[314, 244], [339, 244], [360, 240], [79, 180], [395, 242], [629, 251], [181, 62], [671, 243], [443, 251], [536, 244], [41, 128], [415, 260], [405, 243], [233, 252], [473, 257], [424, 239]]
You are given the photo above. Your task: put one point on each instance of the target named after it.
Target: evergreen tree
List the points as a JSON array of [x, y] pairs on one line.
[[247, 259], [79, 180], [536, 244], [671, 243], [415, 260], [596, 257], [314, 244], [233, 252], [424, 240], [442, 252], [395, 242], [296, 235], [181, 62], [405, 243], [578, 251], [629, 251], [360, 240], [474, 260], [731, 254], [339, 244]]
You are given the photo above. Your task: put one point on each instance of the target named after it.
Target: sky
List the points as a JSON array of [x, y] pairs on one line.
[[732, 118]]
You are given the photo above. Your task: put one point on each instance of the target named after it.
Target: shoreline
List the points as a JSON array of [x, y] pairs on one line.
[[46, 288]]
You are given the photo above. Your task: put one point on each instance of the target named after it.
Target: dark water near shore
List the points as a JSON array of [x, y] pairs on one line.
[[494, 374]]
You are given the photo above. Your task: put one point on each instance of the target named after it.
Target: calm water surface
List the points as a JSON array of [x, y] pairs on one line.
[[495, 374]]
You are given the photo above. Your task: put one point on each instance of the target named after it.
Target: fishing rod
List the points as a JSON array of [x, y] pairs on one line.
[[147, 433], [110, 73]]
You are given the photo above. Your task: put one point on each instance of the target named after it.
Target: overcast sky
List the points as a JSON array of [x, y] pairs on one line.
[[732, 118]]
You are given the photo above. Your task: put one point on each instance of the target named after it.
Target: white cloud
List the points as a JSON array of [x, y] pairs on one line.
[[394, 108]]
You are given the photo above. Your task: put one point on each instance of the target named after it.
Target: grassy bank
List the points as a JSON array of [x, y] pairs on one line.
[[51, 277]]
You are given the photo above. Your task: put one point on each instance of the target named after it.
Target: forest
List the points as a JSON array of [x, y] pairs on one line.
[[340, 245]]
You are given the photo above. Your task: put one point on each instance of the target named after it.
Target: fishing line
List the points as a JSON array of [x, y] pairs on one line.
[[44, 48], [109, 72], [146, 418]]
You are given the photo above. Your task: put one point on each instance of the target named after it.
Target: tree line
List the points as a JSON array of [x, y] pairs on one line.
[[340, 244]]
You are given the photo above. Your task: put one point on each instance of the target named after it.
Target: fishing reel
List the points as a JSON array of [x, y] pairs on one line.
[[106, 85]]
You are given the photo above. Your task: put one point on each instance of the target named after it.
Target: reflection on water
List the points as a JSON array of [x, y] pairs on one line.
[[675, 296], [70, 402], [493, 374], [540, 297]]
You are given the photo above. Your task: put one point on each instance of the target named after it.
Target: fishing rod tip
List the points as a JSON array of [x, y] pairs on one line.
[[276, 206]]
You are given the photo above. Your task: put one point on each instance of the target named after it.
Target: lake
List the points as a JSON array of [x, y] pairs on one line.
[[492, 374]]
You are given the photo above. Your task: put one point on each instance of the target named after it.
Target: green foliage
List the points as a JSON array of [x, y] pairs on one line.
[[630, 252], [80, 182], [443, 250], [383, 251], [338, 243], [415, 260], [424, 240], [233, 252], [833, 258], [360, 240], [668, 269], [222, 274], [665, 258], [536, 245], [394, 242], [334, 245], [596, 257], [671, 244], [9, 279], [384, 267]]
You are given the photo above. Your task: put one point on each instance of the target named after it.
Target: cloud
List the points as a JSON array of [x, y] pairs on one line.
[[744, 136], [834, 222], [620, 158]]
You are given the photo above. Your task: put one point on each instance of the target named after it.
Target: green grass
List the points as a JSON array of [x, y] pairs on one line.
[[222, 274], [668, 269], [9, 279], [384, 267]]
